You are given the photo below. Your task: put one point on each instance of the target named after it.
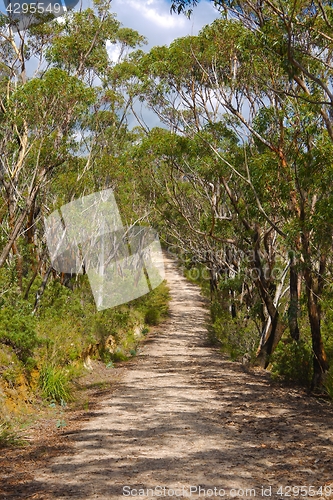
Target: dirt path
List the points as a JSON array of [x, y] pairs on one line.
[[182, 417]]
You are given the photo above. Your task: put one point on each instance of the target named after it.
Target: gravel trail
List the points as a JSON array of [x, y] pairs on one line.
[[184, 422]]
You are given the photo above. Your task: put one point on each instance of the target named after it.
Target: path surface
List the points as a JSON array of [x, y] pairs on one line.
[[182, 417]]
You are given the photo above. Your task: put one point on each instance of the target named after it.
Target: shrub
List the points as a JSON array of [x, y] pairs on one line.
[[237, 336], [152, 316], [293, 361], [119, 356], [155, 305], [54, 383], [17, 329], [8, 436]]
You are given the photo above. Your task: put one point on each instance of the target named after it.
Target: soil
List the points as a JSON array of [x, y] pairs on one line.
[[179, 420]]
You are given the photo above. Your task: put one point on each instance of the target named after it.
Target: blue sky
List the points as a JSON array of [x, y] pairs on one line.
[[152, 19]]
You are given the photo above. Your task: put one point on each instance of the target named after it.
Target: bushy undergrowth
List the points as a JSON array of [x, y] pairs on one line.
[[65, 329], [18, 329], [54, 383], [238, 336], [292, 361], [9, 436], [154, 306]]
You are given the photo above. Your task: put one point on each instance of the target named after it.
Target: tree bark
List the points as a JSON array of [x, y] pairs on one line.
[[320, 362], [293, 310], [273, 333]]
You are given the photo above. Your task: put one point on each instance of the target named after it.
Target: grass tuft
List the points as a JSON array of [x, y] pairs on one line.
[[54, 383], [8, 437]]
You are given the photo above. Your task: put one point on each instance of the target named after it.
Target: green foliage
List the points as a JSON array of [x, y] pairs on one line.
[[43, 106], [152, 316], [54, 383], [8, 436], [119, 356], [237, 336], [60, 424], [292, 361], [154, 306], [18, 329], [157, 299], [83, 38]]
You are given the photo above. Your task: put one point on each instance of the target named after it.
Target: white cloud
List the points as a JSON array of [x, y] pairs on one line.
[[152, 18], [153, 11], [113, 51]]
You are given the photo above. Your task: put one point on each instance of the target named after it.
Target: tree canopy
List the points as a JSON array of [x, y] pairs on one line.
[[236, 177]]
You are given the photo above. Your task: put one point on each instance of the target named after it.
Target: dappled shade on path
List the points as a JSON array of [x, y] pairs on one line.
[[182, 415]]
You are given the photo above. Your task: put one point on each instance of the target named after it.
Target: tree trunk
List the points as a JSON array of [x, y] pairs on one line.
[[21, 219], [270, 340], [320, 363], [293, 310], [272, 334]]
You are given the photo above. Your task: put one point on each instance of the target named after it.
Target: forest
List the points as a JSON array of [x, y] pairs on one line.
[[236, 180]]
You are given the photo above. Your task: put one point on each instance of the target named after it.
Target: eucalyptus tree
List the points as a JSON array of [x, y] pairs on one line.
[[226, 81], [63, 120]]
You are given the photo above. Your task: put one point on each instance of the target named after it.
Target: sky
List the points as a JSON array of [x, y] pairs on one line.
[[152, 18]]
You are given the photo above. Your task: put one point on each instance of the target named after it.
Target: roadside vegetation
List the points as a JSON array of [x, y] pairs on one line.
[[237, 180], [42, 356], [239, 175], [63, 135], [235, 329]]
